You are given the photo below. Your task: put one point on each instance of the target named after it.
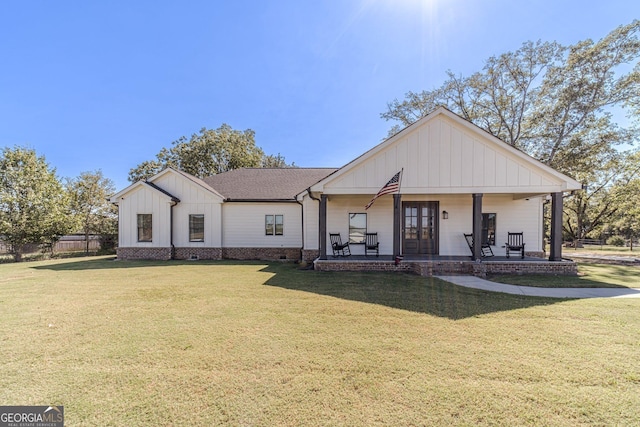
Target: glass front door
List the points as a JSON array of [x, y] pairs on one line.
[[420, 228]]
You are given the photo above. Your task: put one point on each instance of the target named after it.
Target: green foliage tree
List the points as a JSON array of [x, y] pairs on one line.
[[90, 207], [33, 203], [208, 153], [626, 191], [275, 161], [554, 103], [588, 212]]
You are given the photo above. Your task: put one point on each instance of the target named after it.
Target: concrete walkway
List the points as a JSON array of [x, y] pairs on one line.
[[486, 285]]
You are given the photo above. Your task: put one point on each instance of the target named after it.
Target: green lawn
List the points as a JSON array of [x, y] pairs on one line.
[[210, 343], [601, 250], [589, 276]]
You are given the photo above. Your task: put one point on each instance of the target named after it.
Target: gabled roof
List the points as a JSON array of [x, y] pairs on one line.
[[265, 184], [165, 192], [188, 176], [143, 184], [443, 153]]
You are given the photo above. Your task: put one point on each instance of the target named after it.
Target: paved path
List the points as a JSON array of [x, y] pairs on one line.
[[486, 285]]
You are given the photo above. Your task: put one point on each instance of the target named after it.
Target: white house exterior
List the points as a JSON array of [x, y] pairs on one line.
[[456, 179], [448, 165], [224, 216]]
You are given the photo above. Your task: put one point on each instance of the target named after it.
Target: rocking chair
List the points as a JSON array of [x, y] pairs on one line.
[[515, 243], [371, 244], [485, 248], [339, 248]]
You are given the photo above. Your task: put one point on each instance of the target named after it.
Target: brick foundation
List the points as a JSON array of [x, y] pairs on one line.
[[198, 253], [328, 265], [310, 254], [436, 268], [144, 253], [266, 254], [561, 268]]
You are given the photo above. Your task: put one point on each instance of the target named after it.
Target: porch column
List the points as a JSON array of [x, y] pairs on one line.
[[397, 221], [555, 251], [323, 226], [477, 226]]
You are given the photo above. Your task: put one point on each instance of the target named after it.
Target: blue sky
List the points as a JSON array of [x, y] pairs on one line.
[[105, 85]]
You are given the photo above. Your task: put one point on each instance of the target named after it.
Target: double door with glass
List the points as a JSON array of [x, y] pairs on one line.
[[420, 228]]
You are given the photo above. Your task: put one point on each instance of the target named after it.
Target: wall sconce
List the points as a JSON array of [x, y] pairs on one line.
[[445, 215]]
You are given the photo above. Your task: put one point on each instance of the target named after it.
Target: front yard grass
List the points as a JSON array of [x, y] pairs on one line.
[[210, 343], [589, 276]]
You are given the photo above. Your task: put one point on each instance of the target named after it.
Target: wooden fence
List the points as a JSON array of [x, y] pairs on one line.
[[71, 243]]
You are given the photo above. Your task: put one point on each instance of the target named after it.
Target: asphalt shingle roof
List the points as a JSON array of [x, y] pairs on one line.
[[266, 183]]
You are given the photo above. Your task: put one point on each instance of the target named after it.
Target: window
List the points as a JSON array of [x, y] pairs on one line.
[[489, 228], [357, 227], [279, 225], [274, 225], [145, 231], [196, 228]]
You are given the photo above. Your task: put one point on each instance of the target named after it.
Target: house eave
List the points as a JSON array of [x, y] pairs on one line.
[[229, 200], [135, 186], [517, 192]]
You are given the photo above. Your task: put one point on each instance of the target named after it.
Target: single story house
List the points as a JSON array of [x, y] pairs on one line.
[[453, 178]]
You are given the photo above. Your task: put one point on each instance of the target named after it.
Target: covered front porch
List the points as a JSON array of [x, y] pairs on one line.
[[452, 190], [439, 227]]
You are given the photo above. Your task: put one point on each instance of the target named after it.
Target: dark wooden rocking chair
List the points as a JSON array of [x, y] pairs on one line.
[[371, 244], [515, 243], [485, 248], [339, 248]]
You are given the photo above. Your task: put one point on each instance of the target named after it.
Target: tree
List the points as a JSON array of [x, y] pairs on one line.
[[89, 204], [33, 203], [208, 153], [277, 161], [548, 100], [626, 191], [498, 99], [554, 103]]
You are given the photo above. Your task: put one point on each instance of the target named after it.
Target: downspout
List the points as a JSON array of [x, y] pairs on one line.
[[173, 248], [301, 226]]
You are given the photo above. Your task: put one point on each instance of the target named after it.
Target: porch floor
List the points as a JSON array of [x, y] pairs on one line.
[[440, 258]]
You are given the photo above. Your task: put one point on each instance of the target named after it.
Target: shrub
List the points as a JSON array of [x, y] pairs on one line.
[[616, 241]]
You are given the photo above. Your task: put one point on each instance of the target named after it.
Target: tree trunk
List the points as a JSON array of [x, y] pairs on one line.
[[17, 253]]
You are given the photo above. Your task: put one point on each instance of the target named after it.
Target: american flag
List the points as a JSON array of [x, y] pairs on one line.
[[390, 187]]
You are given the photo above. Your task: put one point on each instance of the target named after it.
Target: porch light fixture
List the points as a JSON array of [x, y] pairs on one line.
[[445, 215]]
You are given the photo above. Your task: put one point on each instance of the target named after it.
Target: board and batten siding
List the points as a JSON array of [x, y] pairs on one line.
[[379, 220], [194, 199], [244, 225], [512, 216], [144, 200], [311, 223], [443, 157]]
